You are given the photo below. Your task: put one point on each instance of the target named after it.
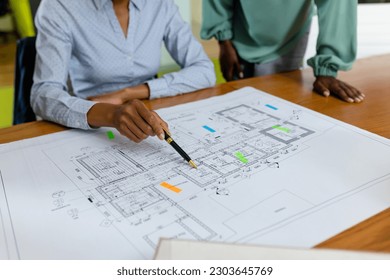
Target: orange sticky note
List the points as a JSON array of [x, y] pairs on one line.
[[170, 187]]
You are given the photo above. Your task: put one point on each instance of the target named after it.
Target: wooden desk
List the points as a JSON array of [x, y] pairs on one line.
[[370, 75]]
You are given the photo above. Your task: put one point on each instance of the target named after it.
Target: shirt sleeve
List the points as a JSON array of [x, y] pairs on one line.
[[217, 19], [197, 70], [337, 39], [49, 95]]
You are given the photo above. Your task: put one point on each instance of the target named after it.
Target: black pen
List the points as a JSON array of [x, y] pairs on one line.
[[170, 141]]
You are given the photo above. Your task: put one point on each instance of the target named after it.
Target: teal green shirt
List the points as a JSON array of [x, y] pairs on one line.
[[263, 30]]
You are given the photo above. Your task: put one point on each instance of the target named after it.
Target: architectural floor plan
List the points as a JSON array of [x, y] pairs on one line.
[[270, 172]]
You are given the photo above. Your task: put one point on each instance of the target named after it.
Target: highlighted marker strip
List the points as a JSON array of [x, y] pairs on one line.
[[272, 107], [241, 157], [284, 129], [110, 135], [208, 128], [170, 187]]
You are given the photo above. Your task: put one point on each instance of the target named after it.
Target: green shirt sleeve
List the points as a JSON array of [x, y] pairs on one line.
[[217, 19], [337, 39]]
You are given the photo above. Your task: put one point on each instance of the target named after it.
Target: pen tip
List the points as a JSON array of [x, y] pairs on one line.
[[192, 163]]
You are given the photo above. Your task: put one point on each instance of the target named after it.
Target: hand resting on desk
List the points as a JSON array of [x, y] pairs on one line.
[[122, 96], [326, 86]]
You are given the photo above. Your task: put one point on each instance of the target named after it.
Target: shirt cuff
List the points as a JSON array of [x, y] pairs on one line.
[[324, 65], [324, 71], [158, 88], [80, 111], [224, 35]]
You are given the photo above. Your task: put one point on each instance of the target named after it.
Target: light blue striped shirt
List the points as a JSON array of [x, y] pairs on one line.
[[81, 41]]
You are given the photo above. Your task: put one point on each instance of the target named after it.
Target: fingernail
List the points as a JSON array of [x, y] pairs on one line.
[[350, 100], [241, 75], [326, 93], [161, 136]]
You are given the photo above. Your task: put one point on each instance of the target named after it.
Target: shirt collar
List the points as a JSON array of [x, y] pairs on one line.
[[139, 4]]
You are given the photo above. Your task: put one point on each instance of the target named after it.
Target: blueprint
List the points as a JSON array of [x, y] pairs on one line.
[[269, 172]]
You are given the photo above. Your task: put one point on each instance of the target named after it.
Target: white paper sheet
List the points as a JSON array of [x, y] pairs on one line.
[[270, 172], [176, 249]]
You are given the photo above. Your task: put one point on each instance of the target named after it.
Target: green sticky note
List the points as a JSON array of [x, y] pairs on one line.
[[110, 135], [241, 157], [284, 129]]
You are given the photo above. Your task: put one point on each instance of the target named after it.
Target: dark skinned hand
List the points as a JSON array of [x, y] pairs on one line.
[[116, 98], [122, 96], [137, 122], [132, 119], [326, 86], [228, 59]]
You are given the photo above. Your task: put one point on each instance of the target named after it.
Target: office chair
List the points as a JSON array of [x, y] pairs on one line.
[[24, 70], [4, 7], [34, 6]]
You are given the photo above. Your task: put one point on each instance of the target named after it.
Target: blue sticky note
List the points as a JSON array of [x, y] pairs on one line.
[[208, 128], [272, 107]]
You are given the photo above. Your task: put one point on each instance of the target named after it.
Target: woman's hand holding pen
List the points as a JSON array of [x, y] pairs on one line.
[[122, 109], [132, 119], [137, 122]]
